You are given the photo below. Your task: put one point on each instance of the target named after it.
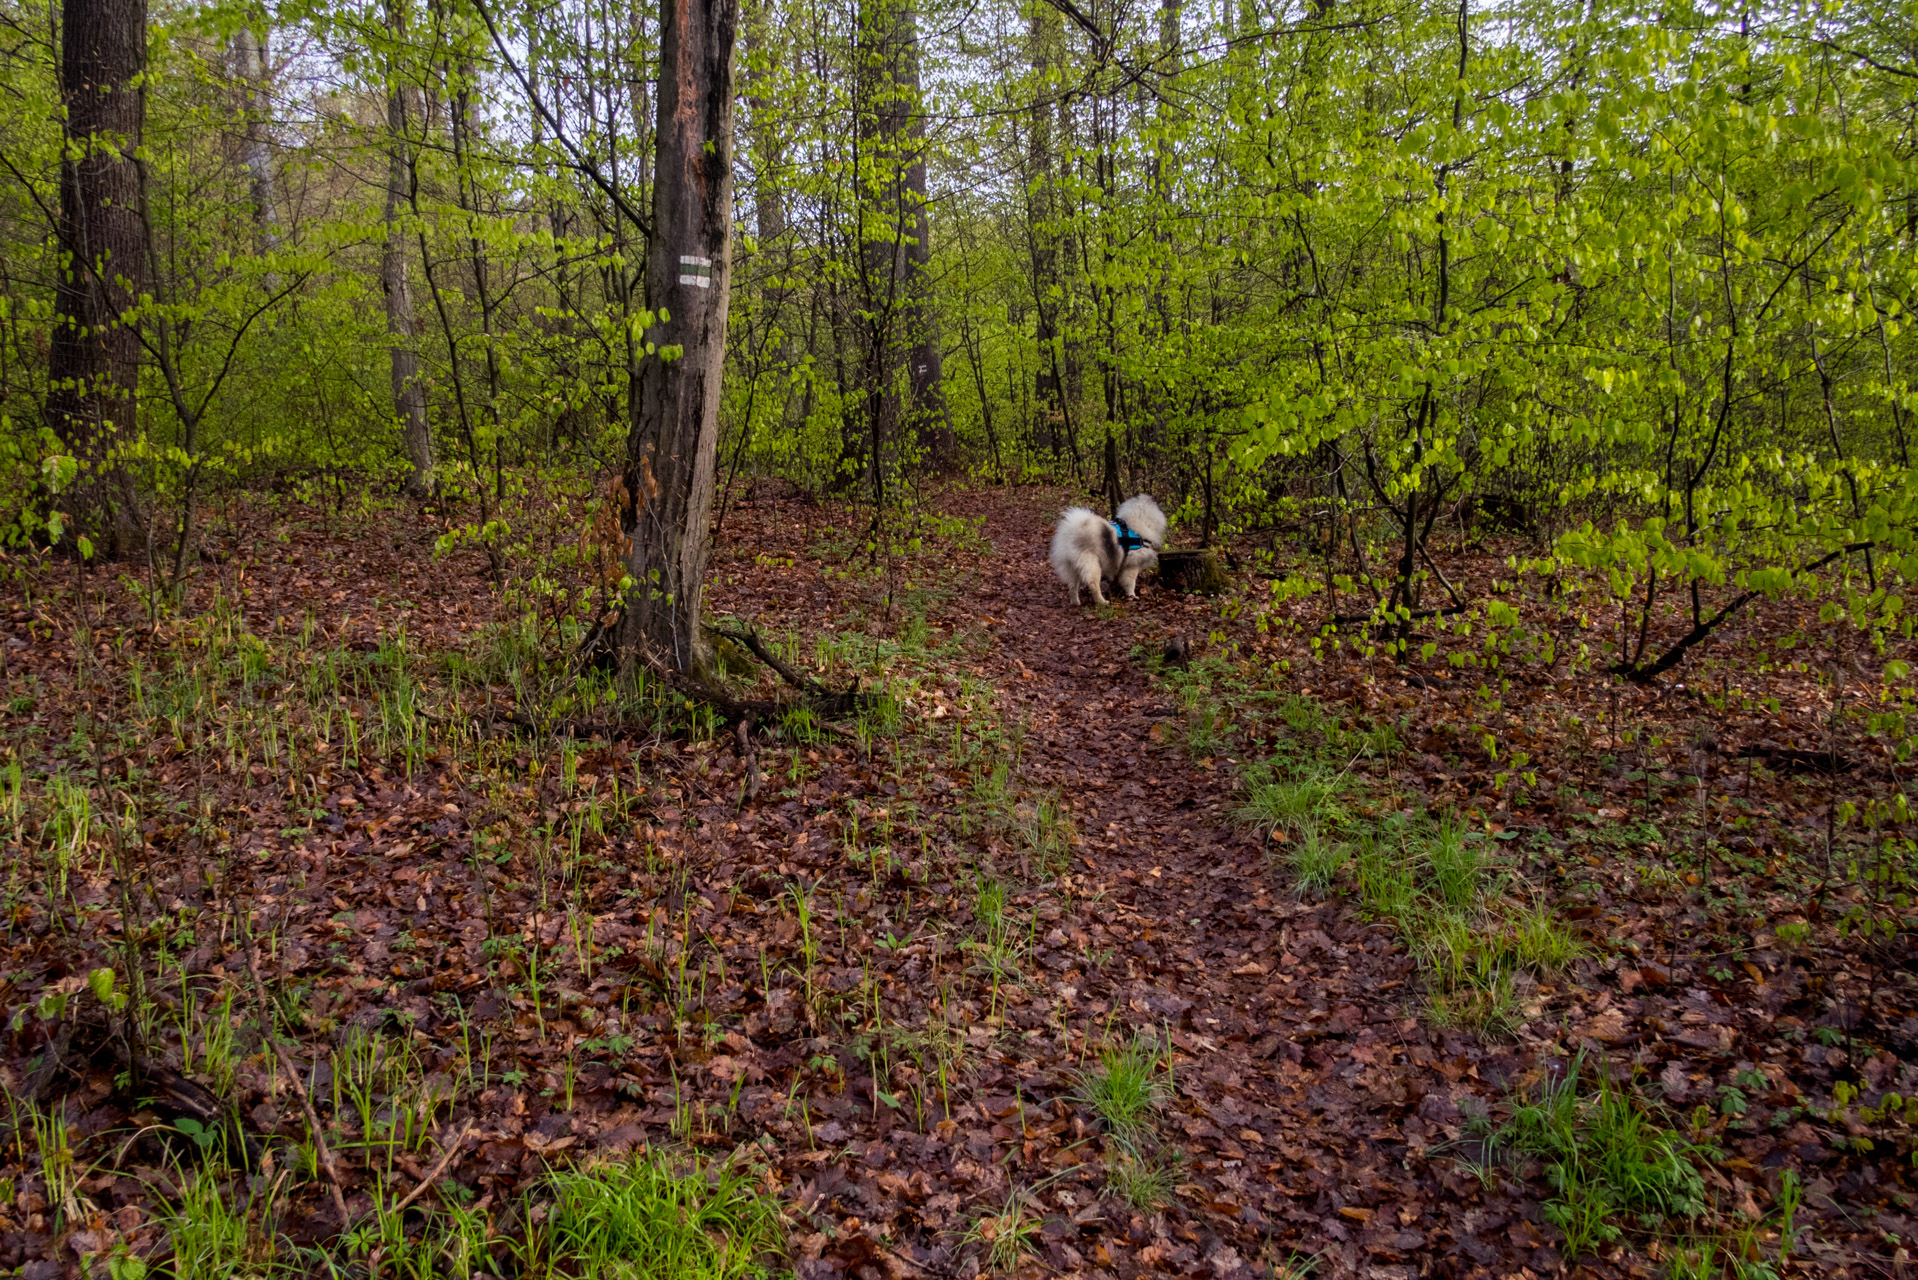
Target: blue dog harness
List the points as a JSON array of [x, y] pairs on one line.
[[1128, 540]]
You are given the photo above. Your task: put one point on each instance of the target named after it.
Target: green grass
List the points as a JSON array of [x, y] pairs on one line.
[[1607, 1159], [1316, 861], [1311, 797], [1127, 1088], [1005, 1237], [1145, 1182], [1455, 865], [1540, 940], [1432, 879], [645, 1217], [214, 1238], [1387, 881]]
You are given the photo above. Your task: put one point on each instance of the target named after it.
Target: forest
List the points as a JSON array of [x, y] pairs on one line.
[[540, 738]]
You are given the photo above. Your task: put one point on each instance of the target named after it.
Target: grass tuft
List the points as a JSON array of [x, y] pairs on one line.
[[1129, 1085], [1316, 862], [645, 1217], [1005, 1236], [1145, 1183], [1606, 1159], [1310, 798]]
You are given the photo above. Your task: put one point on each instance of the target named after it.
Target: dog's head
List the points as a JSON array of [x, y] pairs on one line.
[[1142, 515]]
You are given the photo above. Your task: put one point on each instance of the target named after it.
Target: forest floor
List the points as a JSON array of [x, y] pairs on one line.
[[1059, 957]]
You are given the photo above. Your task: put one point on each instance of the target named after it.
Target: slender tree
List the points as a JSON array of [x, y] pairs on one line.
[[1046, 40], [409, 393], [255, 74], [925, 355]]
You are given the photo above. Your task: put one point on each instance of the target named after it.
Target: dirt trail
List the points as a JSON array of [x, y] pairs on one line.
[[1313, 1089]]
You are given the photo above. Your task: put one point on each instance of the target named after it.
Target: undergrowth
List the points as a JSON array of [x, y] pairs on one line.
[[1321, 789], [1609, 1162]]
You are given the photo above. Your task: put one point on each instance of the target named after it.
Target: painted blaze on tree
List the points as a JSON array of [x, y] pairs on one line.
[[673, 436]]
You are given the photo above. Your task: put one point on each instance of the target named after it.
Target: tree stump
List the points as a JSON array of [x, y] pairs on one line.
[[1195, 571]]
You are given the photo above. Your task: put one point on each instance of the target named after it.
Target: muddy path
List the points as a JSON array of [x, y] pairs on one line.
[[1309, 1092]]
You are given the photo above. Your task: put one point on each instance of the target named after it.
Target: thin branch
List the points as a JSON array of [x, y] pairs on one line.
[[584, 163], [433, 1174], [320, 1148], [1644, 674]]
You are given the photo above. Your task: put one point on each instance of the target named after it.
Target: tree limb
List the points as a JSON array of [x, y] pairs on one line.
[[750, 638], [584, 163], [1645, 673], [433, 1174]]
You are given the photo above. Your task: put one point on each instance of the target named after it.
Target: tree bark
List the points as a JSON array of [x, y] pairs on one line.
[[409, 393], [774, 257], [925, 353], [880, 160], [93, 363], [674, 434], [256, 146], [1041, 218]]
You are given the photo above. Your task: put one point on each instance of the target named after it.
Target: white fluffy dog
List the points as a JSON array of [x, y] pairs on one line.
[[1088, 548]]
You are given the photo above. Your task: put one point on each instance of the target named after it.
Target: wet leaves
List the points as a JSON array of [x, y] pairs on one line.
[[877, 977]]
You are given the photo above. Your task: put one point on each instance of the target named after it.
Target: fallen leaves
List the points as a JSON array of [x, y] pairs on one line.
[[891, 1087]]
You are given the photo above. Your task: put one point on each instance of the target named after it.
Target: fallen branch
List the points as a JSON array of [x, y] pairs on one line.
[[320, 1149], [433, 1174], [732, 710], [608, 729], [751, 640], [598, 647]]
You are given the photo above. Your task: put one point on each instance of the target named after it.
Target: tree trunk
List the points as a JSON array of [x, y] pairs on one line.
[[881, 227], [674, 436], [1041, 218], [256, 147], [409, 394], [774, 257], [925, 354], [93, 364], [464, 126]]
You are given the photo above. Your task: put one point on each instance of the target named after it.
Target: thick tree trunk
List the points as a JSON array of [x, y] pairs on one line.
[[409, 393], [674, 436], [256, 146], [93, 364]]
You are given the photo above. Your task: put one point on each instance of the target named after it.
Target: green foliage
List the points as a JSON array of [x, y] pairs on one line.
[[648, 1217], [1607, 1160], [1129, 1086], [1633, 287]]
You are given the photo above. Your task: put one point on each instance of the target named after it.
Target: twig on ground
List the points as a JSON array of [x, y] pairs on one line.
[[439, 1167], [320, 1148]]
